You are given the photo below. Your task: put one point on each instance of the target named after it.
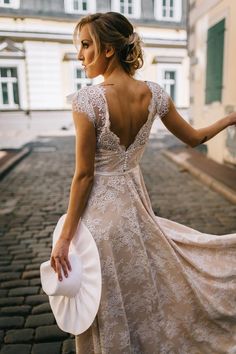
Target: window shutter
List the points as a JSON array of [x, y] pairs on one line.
[[215, 56]]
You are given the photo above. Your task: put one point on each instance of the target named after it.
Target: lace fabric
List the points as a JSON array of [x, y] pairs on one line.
[[166, 288], [91, 98], [92, 101]]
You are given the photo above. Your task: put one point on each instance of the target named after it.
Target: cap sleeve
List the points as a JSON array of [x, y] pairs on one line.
[[164, 103], [162, 100], [81, 102]]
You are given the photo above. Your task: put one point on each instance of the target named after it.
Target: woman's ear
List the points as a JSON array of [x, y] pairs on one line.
[[109, 51]]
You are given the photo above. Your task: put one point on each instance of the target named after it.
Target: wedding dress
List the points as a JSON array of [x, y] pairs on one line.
[[166, 288]]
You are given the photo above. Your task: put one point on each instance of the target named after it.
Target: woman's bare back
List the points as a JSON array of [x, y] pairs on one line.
[[128, 109]]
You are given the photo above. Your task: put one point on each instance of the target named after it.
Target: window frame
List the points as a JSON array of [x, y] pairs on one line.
[[161, 69], [166, 82], [10, 80], [158, 11], [14, 4], [136, 4], [68, 7]]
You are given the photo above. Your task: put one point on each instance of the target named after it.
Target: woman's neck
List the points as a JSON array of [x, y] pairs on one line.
[[115, 74]]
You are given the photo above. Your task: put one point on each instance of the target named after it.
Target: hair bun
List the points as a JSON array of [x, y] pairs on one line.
[[133, 37], [131, 53]]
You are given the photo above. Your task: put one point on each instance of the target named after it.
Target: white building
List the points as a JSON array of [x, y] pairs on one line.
[[38, 64]]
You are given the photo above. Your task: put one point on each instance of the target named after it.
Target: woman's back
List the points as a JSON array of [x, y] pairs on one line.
[[128, 108]]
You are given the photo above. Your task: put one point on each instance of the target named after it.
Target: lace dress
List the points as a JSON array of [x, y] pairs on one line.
[[166, 288]]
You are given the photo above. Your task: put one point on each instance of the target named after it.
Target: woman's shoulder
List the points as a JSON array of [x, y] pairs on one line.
[[158, 90], [84, 92], [86, 99], [160, 97], [153, 84]]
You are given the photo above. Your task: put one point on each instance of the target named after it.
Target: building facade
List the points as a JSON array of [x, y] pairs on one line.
[[38, 62], [212, 47]]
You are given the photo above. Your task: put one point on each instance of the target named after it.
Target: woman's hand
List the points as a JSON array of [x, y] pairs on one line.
[[59, 258]]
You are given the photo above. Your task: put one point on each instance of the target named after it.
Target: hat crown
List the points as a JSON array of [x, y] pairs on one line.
[[68, 286]]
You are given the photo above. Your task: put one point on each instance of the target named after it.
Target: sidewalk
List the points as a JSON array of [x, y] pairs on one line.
[[219, 177], [10, 157]]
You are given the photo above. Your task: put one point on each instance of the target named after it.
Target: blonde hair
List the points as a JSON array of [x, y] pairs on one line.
[[112, 28]]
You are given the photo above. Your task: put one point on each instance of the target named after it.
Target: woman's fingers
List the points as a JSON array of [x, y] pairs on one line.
[[59, 258], [58, 268], [59, 264], [68, 264], [52, 263], [64, 267]]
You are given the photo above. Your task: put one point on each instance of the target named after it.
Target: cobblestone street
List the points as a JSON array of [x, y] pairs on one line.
[[35, 194]]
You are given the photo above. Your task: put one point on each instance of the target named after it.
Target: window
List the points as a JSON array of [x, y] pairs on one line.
[[80, 79], [15, 4], [129, 8], [169, 83], [168, 10], [9, 95], [214, 67], [80, 6]]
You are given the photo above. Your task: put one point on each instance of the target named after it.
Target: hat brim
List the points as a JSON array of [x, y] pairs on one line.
[[75, 315]]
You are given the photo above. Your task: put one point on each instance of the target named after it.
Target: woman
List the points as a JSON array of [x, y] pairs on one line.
[[166, 288]]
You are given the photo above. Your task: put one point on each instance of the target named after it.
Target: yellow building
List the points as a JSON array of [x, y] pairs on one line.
[[212, 48]]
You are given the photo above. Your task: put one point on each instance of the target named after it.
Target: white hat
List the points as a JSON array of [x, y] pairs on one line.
[[75, 299]]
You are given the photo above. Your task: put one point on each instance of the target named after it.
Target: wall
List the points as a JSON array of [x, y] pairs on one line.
[[202, 17]]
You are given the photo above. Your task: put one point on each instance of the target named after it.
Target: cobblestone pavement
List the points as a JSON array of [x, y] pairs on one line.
[[35, 194]]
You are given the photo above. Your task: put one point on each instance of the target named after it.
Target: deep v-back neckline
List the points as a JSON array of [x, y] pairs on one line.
[[108, 121]]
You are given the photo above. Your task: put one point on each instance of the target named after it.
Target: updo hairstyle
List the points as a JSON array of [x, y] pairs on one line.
[[112, 28]]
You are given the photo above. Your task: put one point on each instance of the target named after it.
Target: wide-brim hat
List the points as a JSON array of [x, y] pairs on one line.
[[75, 300]]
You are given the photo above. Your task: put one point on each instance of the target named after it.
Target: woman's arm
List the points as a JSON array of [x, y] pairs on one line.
[[81, 186], [84, 173], [189, 135]]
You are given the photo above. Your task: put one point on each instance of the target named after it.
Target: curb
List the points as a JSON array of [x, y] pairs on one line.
[[180, 159], [13, 161]]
